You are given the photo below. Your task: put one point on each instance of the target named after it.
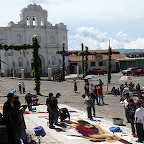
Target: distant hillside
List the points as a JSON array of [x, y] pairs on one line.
[[123, 50]]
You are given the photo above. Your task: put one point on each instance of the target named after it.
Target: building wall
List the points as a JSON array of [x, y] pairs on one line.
[[97, 65], [33, 22], [131, 62]]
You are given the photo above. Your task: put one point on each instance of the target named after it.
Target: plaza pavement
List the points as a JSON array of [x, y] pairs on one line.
[[69, 98]]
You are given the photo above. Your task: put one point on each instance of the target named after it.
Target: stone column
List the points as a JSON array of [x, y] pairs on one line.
[[77, 68], [49, 73], [22, 73], [13, 72]]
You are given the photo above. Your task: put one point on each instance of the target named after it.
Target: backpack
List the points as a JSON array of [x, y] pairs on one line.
[[64, 113]]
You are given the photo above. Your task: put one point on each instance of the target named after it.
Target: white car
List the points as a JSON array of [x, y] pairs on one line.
[[127, 71]]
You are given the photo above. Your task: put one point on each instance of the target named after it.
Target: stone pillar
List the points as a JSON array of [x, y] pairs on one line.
[[13, 72], [49, 73], [22, 73], [3, 65], [77, 68]]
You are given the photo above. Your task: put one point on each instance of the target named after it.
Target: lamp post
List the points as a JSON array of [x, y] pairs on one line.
[[82, 46], [63, 63], [109, 65]]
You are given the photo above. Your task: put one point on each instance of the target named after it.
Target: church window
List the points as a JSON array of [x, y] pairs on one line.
[[51, 39], [34, 21], [59, 61], [19, 39], [42, 22], [28, 21], [13, 64], [28, 63], [53, 60], [20, 62]]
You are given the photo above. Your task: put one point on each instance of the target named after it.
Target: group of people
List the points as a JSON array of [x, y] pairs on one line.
[[21, 86], [14, 120], [124, 88], [93, 94], [53, 109], [134, 113]]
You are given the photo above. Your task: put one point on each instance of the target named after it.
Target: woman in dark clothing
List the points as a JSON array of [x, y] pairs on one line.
[[86, 88], [131, 111], [19, 126], [7, 117], [50, 108]]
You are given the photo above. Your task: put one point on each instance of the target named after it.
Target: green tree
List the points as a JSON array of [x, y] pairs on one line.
[[36, 64]]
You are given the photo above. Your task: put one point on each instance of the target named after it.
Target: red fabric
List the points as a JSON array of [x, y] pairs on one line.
[[26, 112], [42, 112], [85, 131], [100, 91]]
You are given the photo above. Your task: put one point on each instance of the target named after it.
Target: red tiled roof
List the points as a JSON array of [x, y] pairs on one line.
[[75, 58]]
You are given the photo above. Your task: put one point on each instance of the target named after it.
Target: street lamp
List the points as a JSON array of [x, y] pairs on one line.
[[63, 62]]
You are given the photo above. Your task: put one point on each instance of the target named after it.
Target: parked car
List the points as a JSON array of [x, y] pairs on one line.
[[137, 72], [127, 71], [97, 71]]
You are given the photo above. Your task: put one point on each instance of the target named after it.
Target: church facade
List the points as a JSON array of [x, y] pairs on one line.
[[33, 21]]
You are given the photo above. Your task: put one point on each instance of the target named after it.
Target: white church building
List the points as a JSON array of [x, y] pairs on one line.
[[33, 21]]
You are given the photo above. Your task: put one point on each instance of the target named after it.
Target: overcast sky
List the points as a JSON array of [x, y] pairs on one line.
[[92, 22]]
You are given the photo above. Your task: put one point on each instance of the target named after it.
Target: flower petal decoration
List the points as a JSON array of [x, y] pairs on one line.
[[125, 78]]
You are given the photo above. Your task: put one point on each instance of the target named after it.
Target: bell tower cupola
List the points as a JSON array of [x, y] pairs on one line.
[[34, 15]]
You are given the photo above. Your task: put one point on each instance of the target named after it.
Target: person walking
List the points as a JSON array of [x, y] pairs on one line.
[[100, 95], [96, 94], [139, 115], [86, 87], [7, 117], [56, 109], [19, 125], [100, 82], [20, 87], [75, 86], [50, 109], [23, 87], [114, 91]]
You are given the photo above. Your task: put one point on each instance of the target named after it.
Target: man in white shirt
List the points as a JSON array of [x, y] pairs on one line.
[[88, 105], [139, 120], [125, 103]]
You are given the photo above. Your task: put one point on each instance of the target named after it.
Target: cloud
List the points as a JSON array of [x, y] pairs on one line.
[[90, 36], [123, 36], [48, 1], [135, 44], [95, 39]]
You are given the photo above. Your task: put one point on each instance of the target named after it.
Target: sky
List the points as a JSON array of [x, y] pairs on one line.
[[91, 22]]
